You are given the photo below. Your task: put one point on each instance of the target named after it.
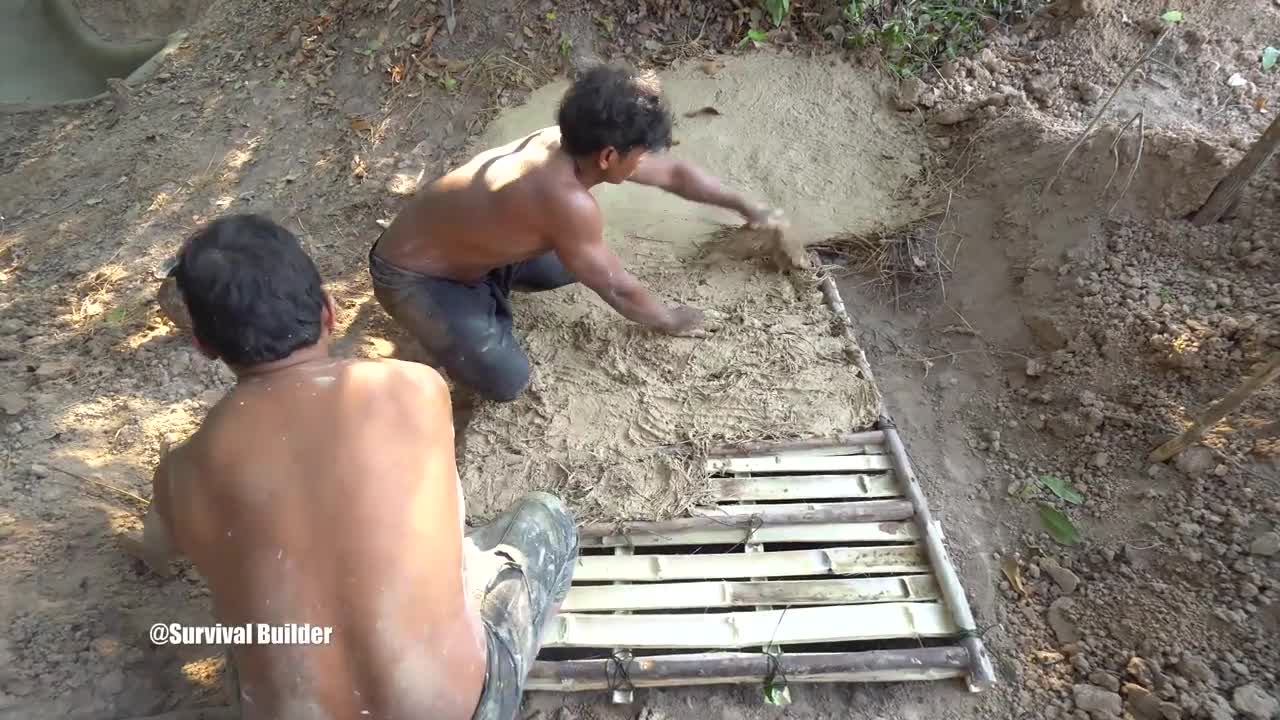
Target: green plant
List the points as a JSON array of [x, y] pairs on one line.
[[566, 45], [1269, 57], [753, 36], [778, 10], [915, 34]]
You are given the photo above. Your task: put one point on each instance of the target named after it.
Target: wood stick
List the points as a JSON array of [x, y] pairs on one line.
[[982, 674], [778, 447], [832, 294], [753, 668], [1228, 189], [711, 519], [1269, 372]]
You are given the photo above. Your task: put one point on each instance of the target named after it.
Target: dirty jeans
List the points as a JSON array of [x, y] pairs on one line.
[[522, 565], [536, 544], [467, 327]]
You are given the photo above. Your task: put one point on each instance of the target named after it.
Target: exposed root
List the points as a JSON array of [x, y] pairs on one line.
[[910, 261], [1088, 129]]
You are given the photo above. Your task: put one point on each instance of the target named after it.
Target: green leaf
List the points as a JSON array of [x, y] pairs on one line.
[[1062, 489], [777, 695], [1269, 57], [1173, 16], [1028, 491], [1059, 526], [756, 36]]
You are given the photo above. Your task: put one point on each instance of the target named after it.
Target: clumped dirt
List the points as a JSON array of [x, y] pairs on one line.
[[1068, 341]]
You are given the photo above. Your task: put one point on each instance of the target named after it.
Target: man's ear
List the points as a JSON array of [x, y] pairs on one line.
[[328, 316], [607, 158]]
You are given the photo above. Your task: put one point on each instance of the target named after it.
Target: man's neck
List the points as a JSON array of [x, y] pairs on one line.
[[586, 171], [309, 355]]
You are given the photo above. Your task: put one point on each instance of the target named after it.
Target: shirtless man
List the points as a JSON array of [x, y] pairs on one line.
[[324, 491], [521, 217]]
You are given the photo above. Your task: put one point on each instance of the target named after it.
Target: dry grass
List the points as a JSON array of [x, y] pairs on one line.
[[909, 261]]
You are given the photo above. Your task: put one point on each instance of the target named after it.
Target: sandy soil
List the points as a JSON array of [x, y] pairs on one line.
[[1069, 342]]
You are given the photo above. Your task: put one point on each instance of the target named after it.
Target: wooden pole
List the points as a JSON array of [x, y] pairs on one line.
[[746, 668], [1228, 189], [1269, 372], [767, 447], [982, 674]]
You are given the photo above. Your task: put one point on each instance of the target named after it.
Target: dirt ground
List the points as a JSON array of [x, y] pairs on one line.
[[1068, 339]]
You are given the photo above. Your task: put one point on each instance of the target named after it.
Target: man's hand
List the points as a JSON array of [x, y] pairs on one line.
[[695, 323], [762, 217]]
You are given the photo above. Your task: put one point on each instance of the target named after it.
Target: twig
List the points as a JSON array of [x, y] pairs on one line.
[[99, 483], [1115, 167], [1102, 111]]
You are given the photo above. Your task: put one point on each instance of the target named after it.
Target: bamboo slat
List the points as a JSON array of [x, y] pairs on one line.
[[807, 532], [727, 593], [881, 560], [741, 668], [806, 487], [838, 623], [821, 464]]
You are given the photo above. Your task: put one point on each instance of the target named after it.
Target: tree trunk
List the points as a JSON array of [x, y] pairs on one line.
[[1228, 189]]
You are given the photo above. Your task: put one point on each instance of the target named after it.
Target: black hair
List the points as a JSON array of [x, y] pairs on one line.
[[253, 293], [610, 107]]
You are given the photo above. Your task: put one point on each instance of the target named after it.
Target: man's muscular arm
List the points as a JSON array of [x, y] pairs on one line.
[[156, 546], [579, 243], [694, 184]]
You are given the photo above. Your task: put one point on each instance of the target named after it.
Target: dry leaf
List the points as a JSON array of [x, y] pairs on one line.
[[1009, 566], [361, 125], [396, 73], [1048, 657], [1259, 103]]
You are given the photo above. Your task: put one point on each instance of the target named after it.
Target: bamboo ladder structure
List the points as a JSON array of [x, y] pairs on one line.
[[819, 561]]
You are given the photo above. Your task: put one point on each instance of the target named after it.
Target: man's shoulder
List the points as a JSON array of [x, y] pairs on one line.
[[397, 373]]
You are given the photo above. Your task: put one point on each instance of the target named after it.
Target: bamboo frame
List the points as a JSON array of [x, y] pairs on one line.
[[803, 464], [982, 674], [734, 630], [728, 593], [806, 487], [752, 668], [885, 559], [882, 532]]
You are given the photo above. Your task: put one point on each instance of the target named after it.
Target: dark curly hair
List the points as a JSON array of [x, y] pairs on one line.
[[610, 107], [253, 293]]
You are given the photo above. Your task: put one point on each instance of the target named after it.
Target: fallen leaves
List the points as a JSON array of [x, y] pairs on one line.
[[1059, 526], [708, 110], [1013, 573]]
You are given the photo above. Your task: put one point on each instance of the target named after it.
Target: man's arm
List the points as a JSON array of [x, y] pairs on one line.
[[579, 243], [688, 181], [155, 546]]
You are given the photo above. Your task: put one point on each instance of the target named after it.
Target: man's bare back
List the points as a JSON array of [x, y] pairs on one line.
[[521, 218], [497, 209], [323, 491]]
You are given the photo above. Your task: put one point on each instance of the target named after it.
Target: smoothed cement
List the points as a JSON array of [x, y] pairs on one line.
[[49, 55]]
